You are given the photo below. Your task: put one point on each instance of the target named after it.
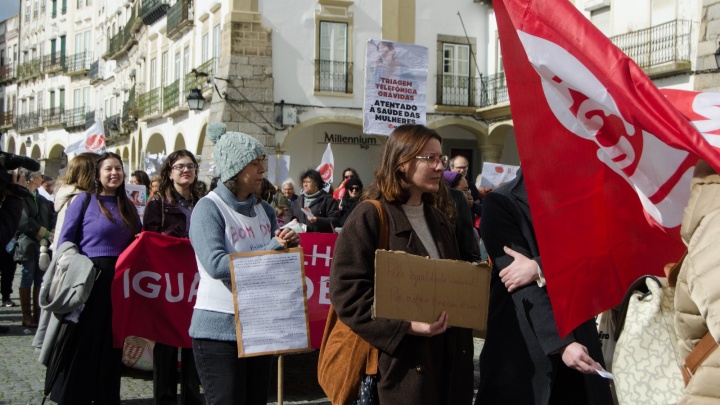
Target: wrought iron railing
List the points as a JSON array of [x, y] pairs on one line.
[[89, 119], [333, 77], [494, 90], [200, 82], [51, 116], [456, 90], [153, 10], [29, 69], [658, 45], [130, 108], [112, 126], [179, 17], [7, 119], [149, 103], [74, 118], [78, 63], [27, 122], [123, 40], [172, 96], [95, 70], [7, 73], [53, 62]]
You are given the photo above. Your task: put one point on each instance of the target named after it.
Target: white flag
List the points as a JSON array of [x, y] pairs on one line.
[[326, 168], [93, 140]]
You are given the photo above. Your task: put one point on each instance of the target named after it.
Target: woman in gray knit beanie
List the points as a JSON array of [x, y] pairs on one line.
[[230, 219]]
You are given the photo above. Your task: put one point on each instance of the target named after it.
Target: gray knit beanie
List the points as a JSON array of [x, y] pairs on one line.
[[233, 150]]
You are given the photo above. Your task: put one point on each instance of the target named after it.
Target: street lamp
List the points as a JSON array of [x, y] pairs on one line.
[[28, 142], [195, 100]]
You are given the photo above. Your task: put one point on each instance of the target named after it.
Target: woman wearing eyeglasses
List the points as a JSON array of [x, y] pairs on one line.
[[418, 363], [168, 212]]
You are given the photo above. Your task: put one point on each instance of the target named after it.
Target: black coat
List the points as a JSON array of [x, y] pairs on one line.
[[325, 208], [469, 247], [520, 362], [35, 215]]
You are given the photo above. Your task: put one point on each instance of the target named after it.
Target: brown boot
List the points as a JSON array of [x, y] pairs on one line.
[[25, 304], [36, 305]]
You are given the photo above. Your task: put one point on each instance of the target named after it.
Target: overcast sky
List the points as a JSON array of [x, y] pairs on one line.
[[8, 8]]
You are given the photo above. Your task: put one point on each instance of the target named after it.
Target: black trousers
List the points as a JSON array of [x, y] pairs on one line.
[[92, 372], [7, 273], [165, 376]]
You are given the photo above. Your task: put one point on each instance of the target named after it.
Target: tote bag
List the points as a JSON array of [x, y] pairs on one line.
[[645, 362]]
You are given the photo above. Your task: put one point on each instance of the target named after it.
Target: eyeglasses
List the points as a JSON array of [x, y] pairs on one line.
[[349, 176], [432, 160], [355, 188], [182, 166]]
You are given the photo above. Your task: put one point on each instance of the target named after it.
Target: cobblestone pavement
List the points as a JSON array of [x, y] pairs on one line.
[[22, 377]]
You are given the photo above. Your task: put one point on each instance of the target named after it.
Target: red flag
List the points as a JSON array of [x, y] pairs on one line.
[[606, 158], [154, 290], [339, 192]]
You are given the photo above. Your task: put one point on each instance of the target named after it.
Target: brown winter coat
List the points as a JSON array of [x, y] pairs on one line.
[[697, 294], [412, 369]]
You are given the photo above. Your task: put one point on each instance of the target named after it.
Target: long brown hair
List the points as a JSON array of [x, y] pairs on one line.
[[390, 183], [166, 186], [128, 213], [81, 172]]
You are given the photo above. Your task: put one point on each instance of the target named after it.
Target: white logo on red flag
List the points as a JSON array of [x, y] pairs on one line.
[[659, 173], [327, 167]]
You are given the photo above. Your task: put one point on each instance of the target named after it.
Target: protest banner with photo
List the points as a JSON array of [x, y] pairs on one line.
[[495, 174], [137, 193], [270, 302], [395, 85], [154, 290]]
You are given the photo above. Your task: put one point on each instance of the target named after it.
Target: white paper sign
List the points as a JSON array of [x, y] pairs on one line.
[[137, 194], [495, 174], [270, 302], [395, 85], [278, 169]]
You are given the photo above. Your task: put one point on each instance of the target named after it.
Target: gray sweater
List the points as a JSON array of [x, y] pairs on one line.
[[207, 235]]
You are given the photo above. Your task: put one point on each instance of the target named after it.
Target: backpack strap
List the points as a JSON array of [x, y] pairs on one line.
[[697, 356]]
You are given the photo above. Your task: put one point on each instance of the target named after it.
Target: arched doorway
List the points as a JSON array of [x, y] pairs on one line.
[[179, 143], [11, 145], [56, 160], [155, 147], [35, 152]]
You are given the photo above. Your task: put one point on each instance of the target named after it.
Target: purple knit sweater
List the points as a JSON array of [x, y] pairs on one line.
[[94, 234]]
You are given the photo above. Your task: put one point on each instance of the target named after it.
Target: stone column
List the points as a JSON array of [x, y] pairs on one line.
[[491, 153]]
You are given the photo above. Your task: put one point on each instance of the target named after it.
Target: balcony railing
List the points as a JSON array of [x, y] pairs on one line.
[[150, 102], [7, 119], [192, 82], [74, 119], [153, 10], [29, 69], [172, 96], [28, 122], [77, 63], [662, 44], [94, 71], [51, 116], [112, 125], [7, 73], [130, 110], [179, 17], [453, 90], [123, 40], [333, 77], [494, 90], [89, 119], [53, 62]]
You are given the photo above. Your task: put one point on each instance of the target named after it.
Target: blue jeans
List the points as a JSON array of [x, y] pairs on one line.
[[228, 379], [31, 274]]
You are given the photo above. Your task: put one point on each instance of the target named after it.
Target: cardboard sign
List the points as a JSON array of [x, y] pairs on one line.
[[415, 288]]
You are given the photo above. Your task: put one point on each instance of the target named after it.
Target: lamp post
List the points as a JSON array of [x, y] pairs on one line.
[[195, 100], [28, 142]]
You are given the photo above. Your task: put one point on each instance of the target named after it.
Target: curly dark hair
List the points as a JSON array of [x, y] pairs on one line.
[[313, 175]]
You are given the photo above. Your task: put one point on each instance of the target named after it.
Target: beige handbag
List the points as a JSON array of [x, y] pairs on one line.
[[645, 362]]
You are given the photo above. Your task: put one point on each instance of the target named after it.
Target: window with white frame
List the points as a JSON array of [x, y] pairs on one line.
[[205, 47], [153, 73], [333, 57], [217, 42], [186, 60], [163, 69], [178, 67], [455, 82]]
